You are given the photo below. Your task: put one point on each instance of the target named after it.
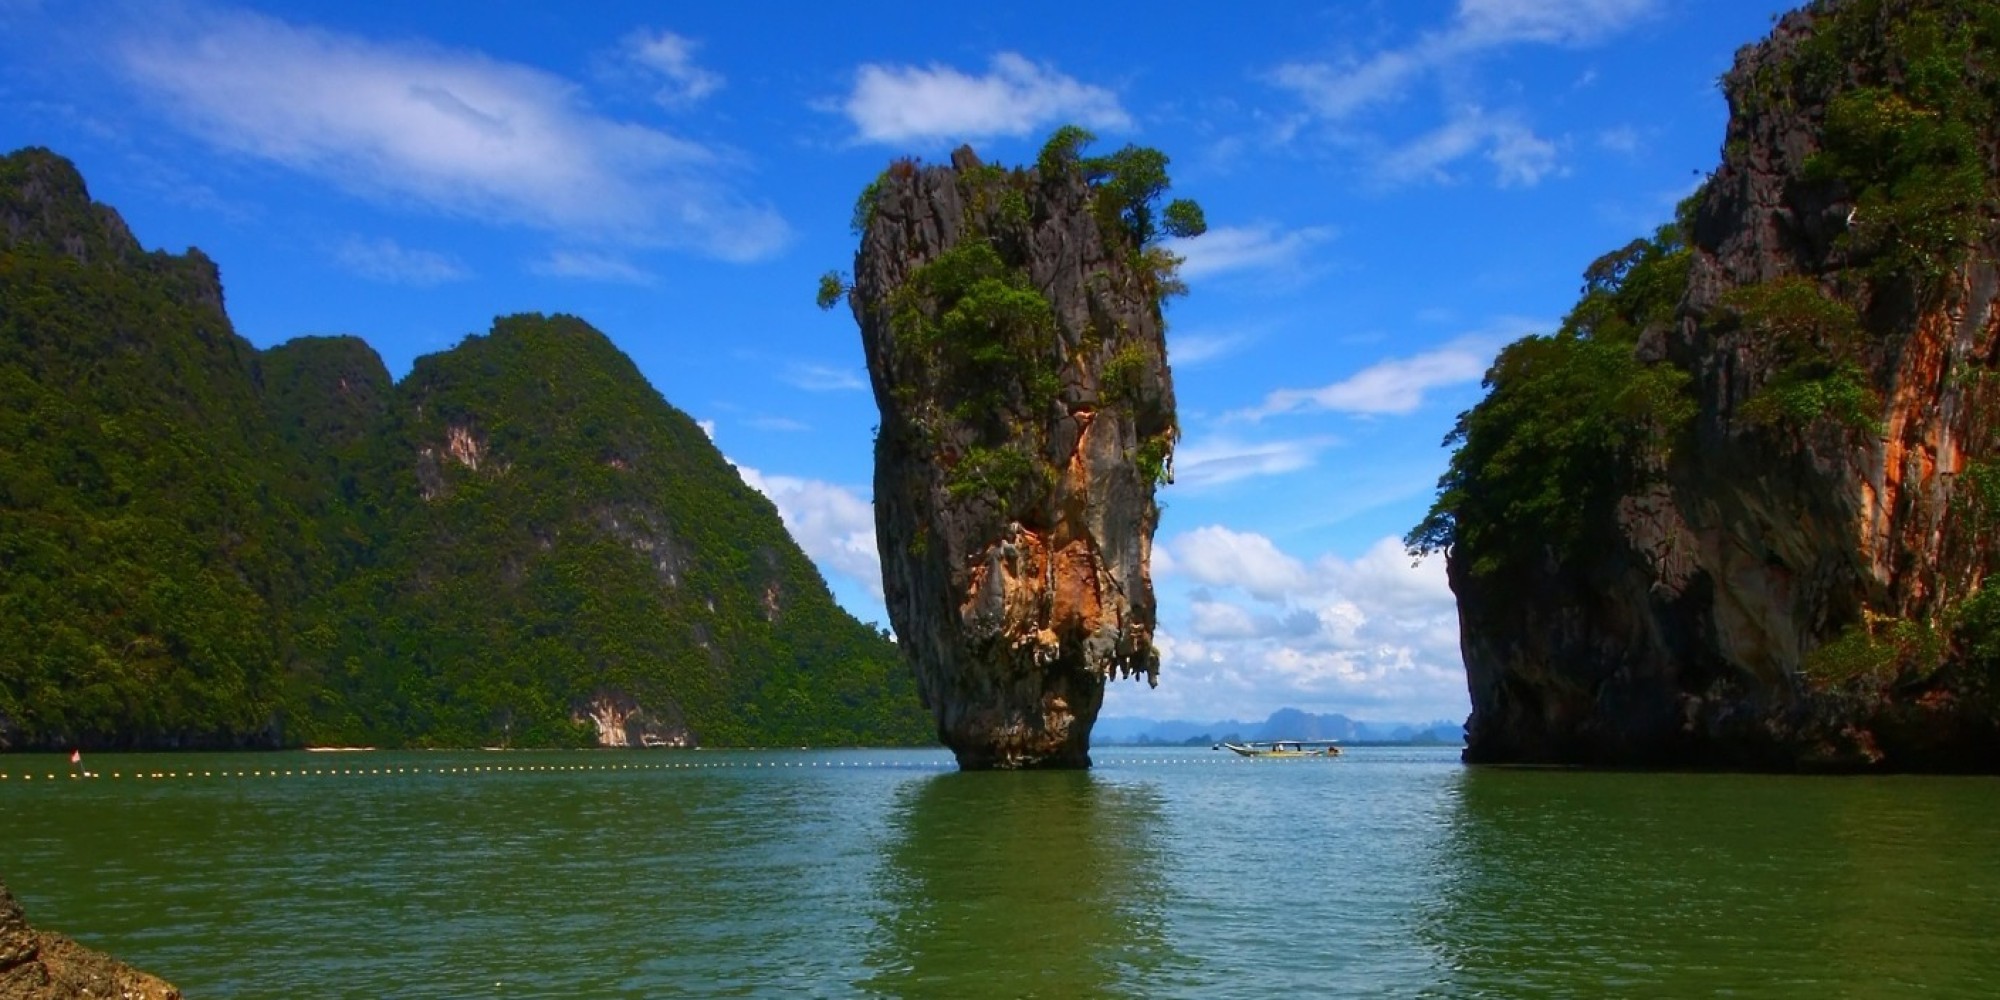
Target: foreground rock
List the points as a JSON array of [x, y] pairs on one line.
[[1012, 326], [1740, 512], [38, 965]]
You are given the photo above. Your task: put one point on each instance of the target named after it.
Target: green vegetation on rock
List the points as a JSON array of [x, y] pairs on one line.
[[1569, 419], [1817, 343], [1909, 88], [971, 321], [205, 545]]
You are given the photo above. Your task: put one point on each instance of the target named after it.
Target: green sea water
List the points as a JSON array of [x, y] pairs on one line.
[[1177, 873]]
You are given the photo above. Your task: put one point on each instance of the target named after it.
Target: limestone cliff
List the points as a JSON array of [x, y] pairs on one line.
[[38, 965], [1765, 545], [1011, 321]]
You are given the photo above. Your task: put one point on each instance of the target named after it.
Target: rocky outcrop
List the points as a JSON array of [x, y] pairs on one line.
[[621, 721], [38, 965], [1011, 321], [1792, 578]]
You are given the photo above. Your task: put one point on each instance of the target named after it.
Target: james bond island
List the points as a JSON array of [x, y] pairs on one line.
[[1740, 509], [1011, 321]]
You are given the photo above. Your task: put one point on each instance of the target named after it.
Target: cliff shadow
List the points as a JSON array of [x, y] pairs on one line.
[[1566, 883]]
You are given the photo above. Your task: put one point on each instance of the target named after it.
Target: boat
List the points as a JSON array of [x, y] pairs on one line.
[[1283, 748]]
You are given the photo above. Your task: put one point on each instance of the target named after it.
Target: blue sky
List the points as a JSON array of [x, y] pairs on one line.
[[1395, 189]]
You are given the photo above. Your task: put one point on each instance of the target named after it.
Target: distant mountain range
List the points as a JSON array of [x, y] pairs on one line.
[[1284, 724]]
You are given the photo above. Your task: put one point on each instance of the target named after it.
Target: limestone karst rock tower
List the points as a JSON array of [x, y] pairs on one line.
[[1740, 510], [1011, 320]]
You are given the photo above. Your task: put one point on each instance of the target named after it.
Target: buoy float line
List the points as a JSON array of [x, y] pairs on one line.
[[485, 769]]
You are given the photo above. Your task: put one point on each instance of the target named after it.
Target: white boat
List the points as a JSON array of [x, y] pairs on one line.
[[1282, 748]]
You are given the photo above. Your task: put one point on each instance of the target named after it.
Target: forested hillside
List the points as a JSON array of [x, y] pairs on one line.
[[202, 544]]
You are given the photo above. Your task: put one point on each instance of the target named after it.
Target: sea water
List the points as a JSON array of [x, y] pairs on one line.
[[1160, 873]]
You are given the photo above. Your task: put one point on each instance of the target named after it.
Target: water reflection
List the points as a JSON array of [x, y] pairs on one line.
[[1568, 884], [1017, 885]]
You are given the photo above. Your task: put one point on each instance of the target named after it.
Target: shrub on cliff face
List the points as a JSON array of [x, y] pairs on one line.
[[1875, 654], [1816, 346], [971, 320], [1566, 418], [1909, 90]]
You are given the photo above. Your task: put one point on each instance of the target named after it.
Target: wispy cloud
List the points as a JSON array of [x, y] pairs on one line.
[[1519, 157], [821, 378], [670, 57], [1397, 386], [784, 424], [385, 260], [1214, 461], [1340, 92], [1486, 23], [834, 524], [450, 131], [1193, 349], [1246, 248], [584, 265], [901, 104], [1342, 95], [1623, 140]]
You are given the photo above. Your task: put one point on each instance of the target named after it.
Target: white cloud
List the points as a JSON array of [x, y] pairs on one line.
[[901, 104], [1373, 637], [1221, 620], [822, 378], [1219, 557], [1242, 248], [1341, 94], [1519, 157], [1624, 140], [1188, 350], [584, 265], [834, 524], [1398, 386], [386, 260], [671, 57], [451, 131], [1216, 460], [1484, 23], [1337, 93], [785, 424]]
